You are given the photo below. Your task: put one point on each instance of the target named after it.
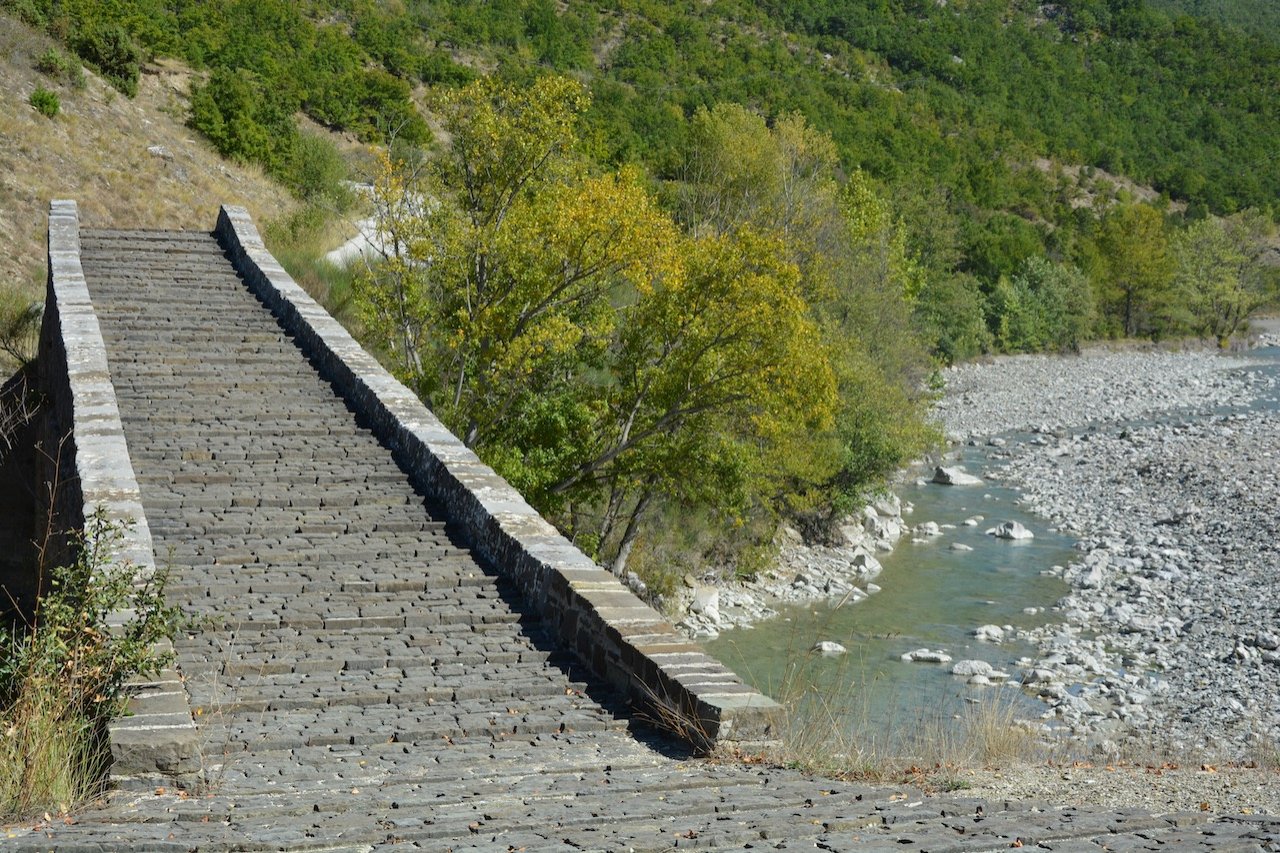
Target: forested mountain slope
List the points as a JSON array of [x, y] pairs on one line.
[[1260, 17], [905, 182]]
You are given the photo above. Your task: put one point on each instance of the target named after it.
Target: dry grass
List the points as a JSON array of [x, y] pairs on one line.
[[832, 732], [832, 729], [49, 760], [95, 151]]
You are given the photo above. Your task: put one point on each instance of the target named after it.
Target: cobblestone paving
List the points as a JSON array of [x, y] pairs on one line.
[[361, 682]]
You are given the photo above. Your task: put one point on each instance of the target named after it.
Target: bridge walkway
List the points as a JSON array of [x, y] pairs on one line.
[[360, 681]]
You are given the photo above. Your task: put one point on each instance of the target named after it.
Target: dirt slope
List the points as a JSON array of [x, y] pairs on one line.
[[127, 162]]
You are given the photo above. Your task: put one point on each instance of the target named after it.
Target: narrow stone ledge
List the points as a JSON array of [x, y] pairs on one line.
[[157, 736], [595, 615]]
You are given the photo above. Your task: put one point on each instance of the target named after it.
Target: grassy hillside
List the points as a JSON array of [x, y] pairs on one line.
[[126, 161]]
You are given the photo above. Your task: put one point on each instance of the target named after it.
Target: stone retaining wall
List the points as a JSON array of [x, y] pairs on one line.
[[619, 637], [85, 466]]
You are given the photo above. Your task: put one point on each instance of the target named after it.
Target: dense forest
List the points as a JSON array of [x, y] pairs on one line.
[[1260, 17], [701, 258]]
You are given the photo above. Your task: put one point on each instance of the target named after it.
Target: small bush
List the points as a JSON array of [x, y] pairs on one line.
[[19, 323], [61, 67], [45, 102], [316, 172], [63, 676]]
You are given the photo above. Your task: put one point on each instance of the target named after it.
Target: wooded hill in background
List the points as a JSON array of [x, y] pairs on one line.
[[1260, 17], [911, 179]]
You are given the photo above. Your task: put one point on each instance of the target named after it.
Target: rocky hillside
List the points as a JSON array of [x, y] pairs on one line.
[[126, 161]]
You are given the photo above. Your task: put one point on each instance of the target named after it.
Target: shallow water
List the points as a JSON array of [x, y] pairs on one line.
[[931, 597]]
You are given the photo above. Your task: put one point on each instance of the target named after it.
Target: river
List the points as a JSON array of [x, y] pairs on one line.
[[931, 597]]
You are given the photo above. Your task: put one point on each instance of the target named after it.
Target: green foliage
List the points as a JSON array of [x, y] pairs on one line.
[[952, 315], [245, 119], [317, 173], [1131, 270], [1219, 275], [62, 67], [1044, 306], [249, 122], [999, 244], [858, 276], [563, 326], [63, 676], [19, 324], [111, 50], [45, 102], [1261, 17]]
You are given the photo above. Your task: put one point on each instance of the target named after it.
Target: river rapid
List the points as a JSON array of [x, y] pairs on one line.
[[1144, 614]]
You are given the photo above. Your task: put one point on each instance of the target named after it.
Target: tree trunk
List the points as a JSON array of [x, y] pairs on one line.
[[619, 566]]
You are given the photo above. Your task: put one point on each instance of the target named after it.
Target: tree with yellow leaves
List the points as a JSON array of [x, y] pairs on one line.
[[563, 326]]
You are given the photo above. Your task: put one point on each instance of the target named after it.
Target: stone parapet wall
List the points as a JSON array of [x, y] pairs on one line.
[[619, 637], [86, 467]]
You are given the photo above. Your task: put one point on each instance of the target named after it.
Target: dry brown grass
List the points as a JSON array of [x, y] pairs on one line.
[[95, 151], [831, 730]]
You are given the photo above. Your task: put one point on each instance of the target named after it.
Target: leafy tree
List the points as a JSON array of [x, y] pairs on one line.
[[110, 49], [952, 313], [566, 329], [1219, 275], [1044, 306], [781, 178], [246, 120], [1132, 269]]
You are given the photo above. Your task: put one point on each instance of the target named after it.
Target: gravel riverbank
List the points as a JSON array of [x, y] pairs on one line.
[[1167, 648], [1169, 642]]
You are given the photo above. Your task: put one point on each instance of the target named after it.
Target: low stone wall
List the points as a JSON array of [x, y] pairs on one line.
[[619, 637], [86, 467]]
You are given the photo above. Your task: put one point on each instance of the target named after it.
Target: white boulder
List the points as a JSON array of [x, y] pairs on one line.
[[1010, 530], [972, 667], [989, 634], [926, 656], [954, 477]]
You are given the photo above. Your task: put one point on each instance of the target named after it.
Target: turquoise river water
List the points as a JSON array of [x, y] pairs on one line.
[[931, 597]]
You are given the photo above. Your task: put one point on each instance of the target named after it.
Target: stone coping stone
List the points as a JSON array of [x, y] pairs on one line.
[[595, 615], [157, 734]]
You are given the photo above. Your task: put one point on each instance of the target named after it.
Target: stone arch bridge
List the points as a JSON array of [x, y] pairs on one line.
[[394, 649]]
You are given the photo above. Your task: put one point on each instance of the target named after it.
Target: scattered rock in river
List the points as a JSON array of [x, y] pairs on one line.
[[954, 477], [926, 656], [827, 648], [972, 667], [706, 602], [1010, 530], [989, 634]]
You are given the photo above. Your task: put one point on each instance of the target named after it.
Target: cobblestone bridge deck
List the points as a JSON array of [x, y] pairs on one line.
[[360, 680]]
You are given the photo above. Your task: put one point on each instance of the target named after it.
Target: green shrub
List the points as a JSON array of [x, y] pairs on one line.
[[45, 102], [245, 119], [19, 325], [1045, 306], [63, 677], [950, 312], [111, 50], [61, 67], [316, 172]]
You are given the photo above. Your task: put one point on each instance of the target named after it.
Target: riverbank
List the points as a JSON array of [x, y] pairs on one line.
[[1167, 643]]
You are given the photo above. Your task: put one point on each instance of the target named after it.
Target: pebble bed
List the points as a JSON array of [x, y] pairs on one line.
[[1169, 642]]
